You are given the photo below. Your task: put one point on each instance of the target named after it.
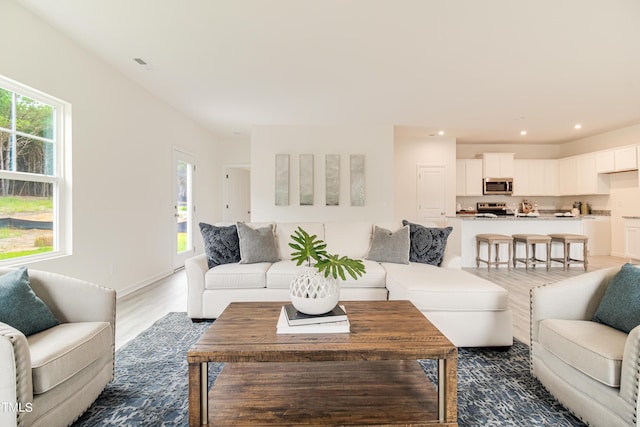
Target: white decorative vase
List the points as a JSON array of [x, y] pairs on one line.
[[312, 293]]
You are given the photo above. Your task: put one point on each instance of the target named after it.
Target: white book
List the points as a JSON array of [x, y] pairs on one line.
[[283, 327]]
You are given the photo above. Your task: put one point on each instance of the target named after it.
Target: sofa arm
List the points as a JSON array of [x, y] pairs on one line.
[[451, 260], [16, 385], [630, 372], [576, 298], [74, 300], [195, 267]]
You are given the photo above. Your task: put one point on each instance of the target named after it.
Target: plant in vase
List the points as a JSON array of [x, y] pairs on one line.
[[315, 290]]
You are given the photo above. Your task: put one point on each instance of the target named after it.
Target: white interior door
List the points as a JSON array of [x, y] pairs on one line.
[[183, 206], [432, 192], [237, 194]]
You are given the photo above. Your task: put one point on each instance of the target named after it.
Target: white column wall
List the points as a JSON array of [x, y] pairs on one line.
[[375, 142]]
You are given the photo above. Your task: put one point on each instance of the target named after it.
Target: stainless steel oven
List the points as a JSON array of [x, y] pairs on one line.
[[497, 186]]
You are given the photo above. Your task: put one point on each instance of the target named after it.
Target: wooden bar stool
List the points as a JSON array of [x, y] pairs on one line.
[[530, 241], [567, 240], [493, 240]]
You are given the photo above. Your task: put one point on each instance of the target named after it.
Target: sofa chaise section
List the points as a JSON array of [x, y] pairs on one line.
[[469, 310]]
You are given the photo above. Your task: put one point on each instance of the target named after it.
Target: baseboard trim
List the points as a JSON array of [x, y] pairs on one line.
[[143, 284]]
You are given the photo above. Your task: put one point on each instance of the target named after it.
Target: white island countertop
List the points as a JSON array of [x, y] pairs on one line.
[[462, 240]]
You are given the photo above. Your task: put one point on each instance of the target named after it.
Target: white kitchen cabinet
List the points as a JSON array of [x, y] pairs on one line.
[[460, 178], [578, 176], [535, 177], [543, 177], [586, 169], [521, 177], [625, 159], [632, 238], [598, 230], [498, 165], [568, 176], [617, 160], [469, 177], [605, 161]]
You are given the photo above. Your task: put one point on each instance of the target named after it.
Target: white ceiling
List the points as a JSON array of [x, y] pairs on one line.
[[481, 70]]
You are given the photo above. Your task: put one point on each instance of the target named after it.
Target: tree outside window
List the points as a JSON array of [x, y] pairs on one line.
[[30, 173]]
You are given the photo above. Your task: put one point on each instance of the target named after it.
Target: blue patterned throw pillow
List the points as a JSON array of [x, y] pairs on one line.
[[427, 244], [221, 244], [20, 307], [620, 305]]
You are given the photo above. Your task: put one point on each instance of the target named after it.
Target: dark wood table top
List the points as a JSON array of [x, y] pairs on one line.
[[380, 330]]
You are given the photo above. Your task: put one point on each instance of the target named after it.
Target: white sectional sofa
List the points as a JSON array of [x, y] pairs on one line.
[[470, 311]]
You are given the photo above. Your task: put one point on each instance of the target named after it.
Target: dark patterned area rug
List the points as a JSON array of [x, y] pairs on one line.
[[150, 386]]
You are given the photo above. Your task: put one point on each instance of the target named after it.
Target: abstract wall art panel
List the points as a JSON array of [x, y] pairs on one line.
[[332, 179], [357, 179], [282, 180], [306, 179]]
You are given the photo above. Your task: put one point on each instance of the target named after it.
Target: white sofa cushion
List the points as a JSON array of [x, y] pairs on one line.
[[350, 239], [237, 276], [592, 348], [433, 288], [281, 273], [284, 230], [60, 352]]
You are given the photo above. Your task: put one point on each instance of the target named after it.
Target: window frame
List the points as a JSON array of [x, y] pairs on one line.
[[60, 179]]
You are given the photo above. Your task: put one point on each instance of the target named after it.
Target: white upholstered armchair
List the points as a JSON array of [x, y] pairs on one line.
[[591, 368], [51, 377]]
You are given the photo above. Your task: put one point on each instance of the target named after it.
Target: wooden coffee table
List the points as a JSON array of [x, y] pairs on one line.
[[367, 377]]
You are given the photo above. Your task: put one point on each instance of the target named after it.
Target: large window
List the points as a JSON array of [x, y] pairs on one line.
[[33, 183]]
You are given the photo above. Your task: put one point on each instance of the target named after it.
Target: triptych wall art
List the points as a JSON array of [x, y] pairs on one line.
[[331, 179]]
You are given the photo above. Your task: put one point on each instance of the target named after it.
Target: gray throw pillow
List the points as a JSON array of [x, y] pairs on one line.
[[387, 246], [427, 244], [221, 244], [257, 245], [20, 307], [620, 305]]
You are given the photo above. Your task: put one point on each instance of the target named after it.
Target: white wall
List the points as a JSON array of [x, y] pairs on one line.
[[123, 139], [375, 142], [409, 153], [617, 138]]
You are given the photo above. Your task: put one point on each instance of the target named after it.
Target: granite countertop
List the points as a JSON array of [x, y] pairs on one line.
[[631, 217], [519, 218]]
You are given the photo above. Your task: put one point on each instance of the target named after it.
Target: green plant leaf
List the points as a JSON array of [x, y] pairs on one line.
[[336, 266], [307, 247]]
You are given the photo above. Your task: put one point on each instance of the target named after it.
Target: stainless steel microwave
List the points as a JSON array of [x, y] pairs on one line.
[[497, 186]]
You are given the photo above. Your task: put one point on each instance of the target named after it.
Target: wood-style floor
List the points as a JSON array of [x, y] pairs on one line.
[[139, 310], [518, 281]]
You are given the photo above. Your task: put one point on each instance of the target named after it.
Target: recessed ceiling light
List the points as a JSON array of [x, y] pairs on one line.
[[441, 132], [523, 132], [140, 61], [577, 126]]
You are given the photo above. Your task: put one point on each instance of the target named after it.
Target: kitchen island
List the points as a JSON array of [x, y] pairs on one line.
[[462, 240]]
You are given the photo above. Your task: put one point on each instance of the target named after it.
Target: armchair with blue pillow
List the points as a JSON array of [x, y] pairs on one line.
[[585, 344], [57, 346]]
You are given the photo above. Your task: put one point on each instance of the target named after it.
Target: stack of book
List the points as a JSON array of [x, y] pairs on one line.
[[291, 321]]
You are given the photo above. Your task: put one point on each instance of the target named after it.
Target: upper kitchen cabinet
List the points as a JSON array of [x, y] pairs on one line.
[[469, 177], [498, 165], [535, 177], [617, 160], [578, 176]]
